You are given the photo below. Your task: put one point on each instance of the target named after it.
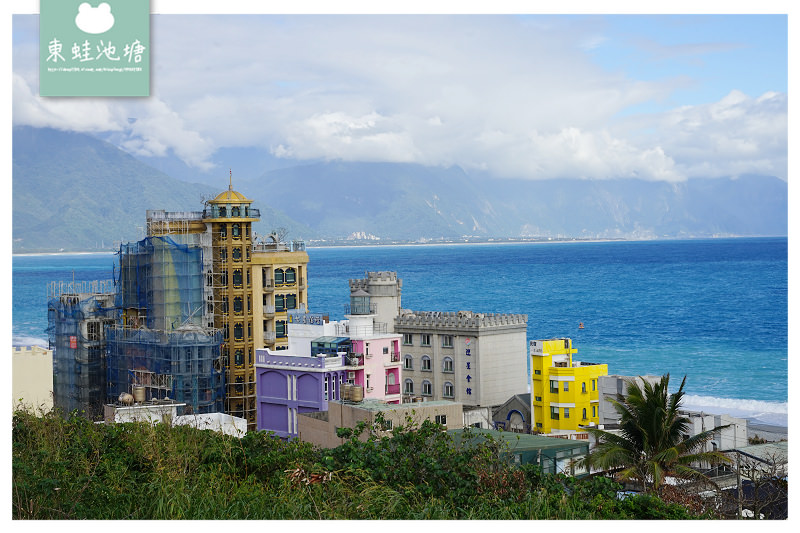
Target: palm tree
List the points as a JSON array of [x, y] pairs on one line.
[[652, 441]]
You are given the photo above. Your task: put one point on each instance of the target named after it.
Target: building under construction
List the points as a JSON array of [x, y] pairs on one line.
[[77, 316], [192, 302]]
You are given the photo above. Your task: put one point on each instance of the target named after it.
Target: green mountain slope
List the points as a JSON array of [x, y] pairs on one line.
[[74, 192]]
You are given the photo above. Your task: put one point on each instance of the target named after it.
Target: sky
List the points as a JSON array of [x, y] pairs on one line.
[[540, 96]]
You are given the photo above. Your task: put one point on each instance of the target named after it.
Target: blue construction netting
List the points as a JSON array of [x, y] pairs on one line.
[[182, 365], [163, 278], [76, 324]]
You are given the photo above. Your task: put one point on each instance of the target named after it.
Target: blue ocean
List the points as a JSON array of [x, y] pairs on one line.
[[713, 310]]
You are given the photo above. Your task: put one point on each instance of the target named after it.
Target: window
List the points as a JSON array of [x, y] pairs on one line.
[[583, 387], [537, 372], [93, 330], [554, 413], [236, 231], [584, 413], [237, 305], [426, 363], [223, 254], [367, 380], [594, 381], [223, 230], [408, 362], [408, 387], [279, 276], [235, 211], [566, 412], [280, 328], [447, 365], [553, 386], [386, 425], [237, 254], [566, 386], [238, 357], [427, 388], [385, 350], [408, 339], [449, 390], [538, 398], [291, 301], [441, 419], [594, 411], [238, 332], [289, 276], [237, 278], [447, 341], [223, 212], [426, 339], [280, 303]]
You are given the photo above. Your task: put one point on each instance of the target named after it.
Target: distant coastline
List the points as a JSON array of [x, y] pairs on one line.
[[368, 243]]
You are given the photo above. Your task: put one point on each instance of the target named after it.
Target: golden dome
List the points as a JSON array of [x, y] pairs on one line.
[[229, 196]]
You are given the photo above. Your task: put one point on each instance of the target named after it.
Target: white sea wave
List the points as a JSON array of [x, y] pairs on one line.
[[757, 411], [28, 341]]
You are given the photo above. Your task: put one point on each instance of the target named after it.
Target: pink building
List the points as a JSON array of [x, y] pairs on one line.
[[378, 349]]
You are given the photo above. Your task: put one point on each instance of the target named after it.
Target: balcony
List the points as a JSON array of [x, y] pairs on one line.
[[269, 310], [393, 389], [354, 360]]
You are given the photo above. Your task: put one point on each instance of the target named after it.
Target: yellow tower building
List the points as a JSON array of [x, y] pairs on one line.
[[564, 392], [230, 219]]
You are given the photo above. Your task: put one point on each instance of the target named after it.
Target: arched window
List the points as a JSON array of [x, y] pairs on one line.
[[238, 332], [237, 254], [290, 276], [408, 387], [447, 365], [237, 305], [427, 388], [235, 211], [223, 254], [223, 212], [408, 362], [449, 390], [225, 305], [280, 328], [426, 363], [238, 357], [279, 276], [280, 303], [291, 301], [236, 231], [237, 278]]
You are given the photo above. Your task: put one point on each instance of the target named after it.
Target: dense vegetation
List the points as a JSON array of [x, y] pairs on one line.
[[75, 469]]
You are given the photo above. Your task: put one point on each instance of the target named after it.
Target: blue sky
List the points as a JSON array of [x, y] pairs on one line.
[[657, 97]]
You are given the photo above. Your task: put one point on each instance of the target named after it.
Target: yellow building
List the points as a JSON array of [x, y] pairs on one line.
[[249, 290], [32, 378], [564, 392], [279, 273]]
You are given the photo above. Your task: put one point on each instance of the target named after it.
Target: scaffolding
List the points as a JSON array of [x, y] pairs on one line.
[[183, 365], [77, 316], [161, 283]]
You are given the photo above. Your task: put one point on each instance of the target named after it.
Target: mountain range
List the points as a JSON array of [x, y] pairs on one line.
[[74, 192]]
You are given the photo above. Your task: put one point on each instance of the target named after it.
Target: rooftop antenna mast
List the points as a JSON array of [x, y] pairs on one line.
[[230, 179]]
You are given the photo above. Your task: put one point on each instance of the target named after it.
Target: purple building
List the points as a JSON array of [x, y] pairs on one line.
[[290, 384]]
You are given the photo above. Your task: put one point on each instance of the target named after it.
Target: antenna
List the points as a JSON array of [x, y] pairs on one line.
[[230, 180]]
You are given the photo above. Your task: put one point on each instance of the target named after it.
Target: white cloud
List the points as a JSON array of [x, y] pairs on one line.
[[516, 97]]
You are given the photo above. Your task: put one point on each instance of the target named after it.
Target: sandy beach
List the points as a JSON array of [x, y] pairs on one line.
[[765, 431]]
